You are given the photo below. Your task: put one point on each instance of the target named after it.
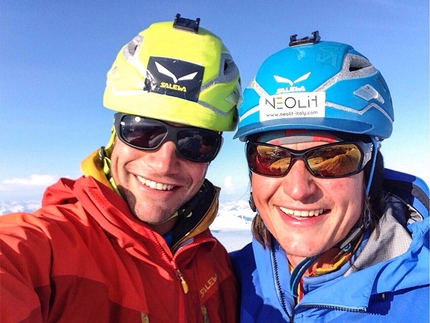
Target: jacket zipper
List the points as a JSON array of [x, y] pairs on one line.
[[330, 307], [278, 284], [178, 272], [281, 297], [181, 277], [183, 281]]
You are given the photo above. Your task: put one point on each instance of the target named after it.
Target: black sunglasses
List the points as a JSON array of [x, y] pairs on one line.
[[333, 160], [193, 144]]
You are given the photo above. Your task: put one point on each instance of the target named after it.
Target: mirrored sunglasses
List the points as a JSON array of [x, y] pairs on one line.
[[333, 160], [191, 143]]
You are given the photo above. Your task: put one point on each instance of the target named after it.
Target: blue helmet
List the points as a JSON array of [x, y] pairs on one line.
[[317, 85]]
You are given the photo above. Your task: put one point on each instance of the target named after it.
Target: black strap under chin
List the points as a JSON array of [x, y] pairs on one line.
[[193, 211]]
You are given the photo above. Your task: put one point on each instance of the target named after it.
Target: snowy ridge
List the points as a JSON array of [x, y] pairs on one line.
[[230, 214], [29, 206], [233, 215], [232, 225]]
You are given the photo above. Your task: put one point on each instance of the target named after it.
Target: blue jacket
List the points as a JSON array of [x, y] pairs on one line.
[[387, 279]]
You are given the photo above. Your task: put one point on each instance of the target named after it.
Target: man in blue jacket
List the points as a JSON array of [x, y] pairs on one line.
[[337, 238]]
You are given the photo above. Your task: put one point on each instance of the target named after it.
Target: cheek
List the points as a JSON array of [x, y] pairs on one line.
[[348, 193], [117, 150], [201, 169], [121, 154], [349, 187], [195, 172], [114, 162], [262, 188]]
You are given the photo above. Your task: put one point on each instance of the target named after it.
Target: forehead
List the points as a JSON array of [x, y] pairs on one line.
[[285, 137]]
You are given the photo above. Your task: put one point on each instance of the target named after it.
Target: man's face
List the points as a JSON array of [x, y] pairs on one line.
[[155, 184], [308, 215]]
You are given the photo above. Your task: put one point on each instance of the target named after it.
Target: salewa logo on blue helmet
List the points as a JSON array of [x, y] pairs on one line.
[[174, 77], [292, 88]]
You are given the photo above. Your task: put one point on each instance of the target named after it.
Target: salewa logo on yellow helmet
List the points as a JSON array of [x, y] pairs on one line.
[[166, 72], [174, 77]]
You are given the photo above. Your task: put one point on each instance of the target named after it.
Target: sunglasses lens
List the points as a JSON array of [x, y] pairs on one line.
[[334, 160], [327, 161], [198, 145], [268, 160], [146, 135]]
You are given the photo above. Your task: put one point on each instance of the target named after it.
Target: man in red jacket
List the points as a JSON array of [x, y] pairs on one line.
[[129, 241]]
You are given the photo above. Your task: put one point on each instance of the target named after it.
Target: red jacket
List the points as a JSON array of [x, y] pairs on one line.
[[83, 257]]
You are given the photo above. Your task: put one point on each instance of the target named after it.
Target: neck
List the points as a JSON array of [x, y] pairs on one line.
[[326, 260], [163, 228]]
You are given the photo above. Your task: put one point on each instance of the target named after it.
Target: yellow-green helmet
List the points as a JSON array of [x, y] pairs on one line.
[[176, 72]]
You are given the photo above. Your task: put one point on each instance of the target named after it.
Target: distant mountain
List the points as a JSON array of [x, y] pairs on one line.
[[238, 208], [233, 215], [230, 214], [18, 206]]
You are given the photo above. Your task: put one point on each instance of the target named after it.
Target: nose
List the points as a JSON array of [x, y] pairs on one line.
[[165, 159], [299, 184]]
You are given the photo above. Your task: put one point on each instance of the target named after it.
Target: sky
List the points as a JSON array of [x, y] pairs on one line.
[[54, 55]]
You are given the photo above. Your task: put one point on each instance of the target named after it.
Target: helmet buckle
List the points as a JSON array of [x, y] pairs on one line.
[[186, 24], [305, 40]]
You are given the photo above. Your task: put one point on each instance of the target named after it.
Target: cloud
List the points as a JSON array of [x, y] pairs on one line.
[[229, 186], [33, 180]]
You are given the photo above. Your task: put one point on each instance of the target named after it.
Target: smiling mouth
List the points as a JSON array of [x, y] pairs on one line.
[[302, 213], [155, 185]]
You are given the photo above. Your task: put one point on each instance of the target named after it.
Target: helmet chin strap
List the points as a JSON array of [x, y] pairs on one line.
[[347, 243], [376, 146]]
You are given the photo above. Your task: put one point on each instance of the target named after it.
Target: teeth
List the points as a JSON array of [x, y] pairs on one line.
[[155, 185], [302, 213]]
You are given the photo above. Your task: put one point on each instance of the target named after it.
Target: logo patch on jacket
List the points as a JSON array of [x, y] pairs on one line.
[[174, 77], [210, 282]]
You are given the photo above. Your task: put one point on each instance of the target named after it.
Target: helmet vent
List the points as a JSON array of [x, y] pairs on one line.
[[229, 66], [357, 63], [355, 68], [131, 48]]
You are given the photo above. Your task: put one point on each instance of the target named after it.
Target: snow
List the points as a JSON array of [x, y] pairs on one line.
[[233, 239], [18, 206], [232, 225]]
